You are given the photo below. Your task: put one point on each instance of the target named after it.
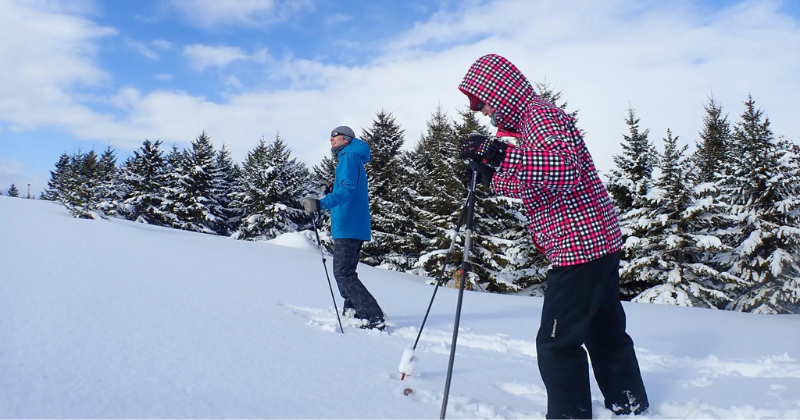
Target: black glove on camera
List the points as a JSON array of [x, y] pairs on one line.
[[483, 149], [485, 173]]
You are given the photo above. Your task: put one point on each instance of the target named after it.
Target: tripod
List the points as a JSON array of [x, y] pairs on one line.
[[466, 267]]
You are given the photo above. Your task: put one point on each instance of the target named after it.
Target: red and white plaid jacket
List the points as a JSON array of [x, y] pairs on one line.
[[570, 215]]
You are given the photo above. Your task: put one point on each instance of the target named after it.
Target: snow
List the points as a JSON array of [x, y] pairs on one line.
[[294, 240], [708, 242], [749, 245], [408, 363], [114, 319]]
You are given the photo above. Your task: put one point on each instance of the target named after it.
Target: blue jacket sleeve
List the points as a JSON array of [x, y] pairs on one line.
[[346, 180]]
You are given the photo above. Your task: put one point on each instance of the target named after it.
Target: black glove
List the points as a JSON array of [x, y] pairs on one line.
[[485, 173], [311, 205], [483, 149]]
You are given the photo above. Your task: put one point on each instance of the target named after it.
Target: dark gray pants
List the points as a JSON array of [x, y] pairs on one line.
[[581, 306], [356, 296]]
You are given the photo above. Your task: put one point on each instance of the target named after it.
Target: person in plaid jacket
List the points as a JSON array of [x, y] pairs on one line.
[[574, 223]]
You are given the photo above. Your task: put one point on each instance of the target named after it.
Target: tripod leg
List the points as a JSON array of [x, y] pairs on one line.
[[466, 267]]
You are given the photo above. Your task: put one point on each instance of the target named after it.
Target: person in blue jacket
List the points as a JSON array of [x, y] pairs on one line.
[[350, 223]]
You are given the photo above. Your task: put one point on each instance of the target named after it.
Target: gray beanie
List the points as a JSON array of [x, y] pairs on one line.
[[347, 131]]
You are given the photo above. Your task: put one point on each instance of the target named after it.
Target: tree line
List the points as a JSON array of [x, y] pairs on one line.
[[715, 229]]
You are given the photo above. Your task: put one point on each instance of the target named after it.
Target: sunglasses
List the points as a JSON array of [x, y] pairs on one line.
[[336, 133], [479, 106]]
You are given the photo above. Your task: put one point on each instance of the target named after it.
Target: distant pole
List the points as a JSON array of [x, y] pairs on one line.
[[29, 191]]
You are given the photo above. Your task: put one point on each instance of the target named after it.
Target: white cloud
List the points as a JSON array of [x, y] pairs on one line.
[[661, 59], [232, 81], [338, 18], [45, 56], [261, 56], [162, 44], [247, 13], [164, 77], [72, 7], [350, 45], [141, 48], [202, 57]]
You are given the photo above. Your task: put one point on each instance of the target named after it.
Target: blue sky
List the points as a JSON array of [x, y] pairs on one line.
[[86, 73]]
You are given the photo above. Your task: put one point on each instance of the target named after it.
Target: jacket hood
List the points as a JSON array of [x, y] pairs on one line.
[[493, 80], [359, 148]]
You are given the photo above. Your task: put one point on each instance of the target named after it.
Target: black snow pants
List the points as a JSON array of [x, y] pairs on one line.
[[582, 307], [356, 296]]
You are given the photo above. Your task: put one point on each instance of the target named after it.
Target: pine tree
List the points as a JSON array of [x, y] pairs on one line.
[[144, 176], [201, 210], [82, 199], [389, 224], [709, 156], [173, 206], [109, 191], [57, 185], [635, 166], [272, 185], [229, 173], [13, 191], [672, 260], [760, 189], [628, 186], [436, 192]]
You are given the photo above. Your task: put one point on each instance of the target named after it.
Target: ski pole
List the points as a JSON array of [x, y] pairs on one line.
[[465, 268], [319, 246], [407, 356]]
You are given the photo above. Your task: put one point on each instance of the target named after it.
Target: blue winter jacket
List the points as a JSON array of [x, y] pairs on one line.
[[348, 201]]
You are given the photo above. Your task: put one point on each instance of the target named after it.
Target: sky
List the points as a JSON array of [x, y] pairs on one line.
[[86, 74], [152, 328]]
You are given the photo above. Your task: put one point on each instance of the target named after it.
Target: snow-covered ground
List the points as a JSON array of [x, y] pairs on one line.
[[109, 319]]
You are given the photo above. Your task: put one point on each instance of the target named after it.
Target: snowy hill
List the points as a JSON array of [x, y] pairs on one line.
[[104, 319]]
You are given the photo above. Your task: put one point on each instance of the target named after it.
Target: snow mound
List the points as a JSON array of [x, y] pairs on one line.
[[294, 240]]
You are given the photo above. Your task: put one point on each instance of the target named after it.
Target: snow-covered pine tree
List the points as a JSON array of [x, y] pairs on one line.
[[272, 185], [83, 199], [389, 225], [632, 177], [673, 250], [13, 191], [295, 182], [412, 234], [173, 207], [109, 192], [439, 192], [199, 195], [709, 155], [59, 179], [628, 186], [229, 173], [143, 176], [762, 194]]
